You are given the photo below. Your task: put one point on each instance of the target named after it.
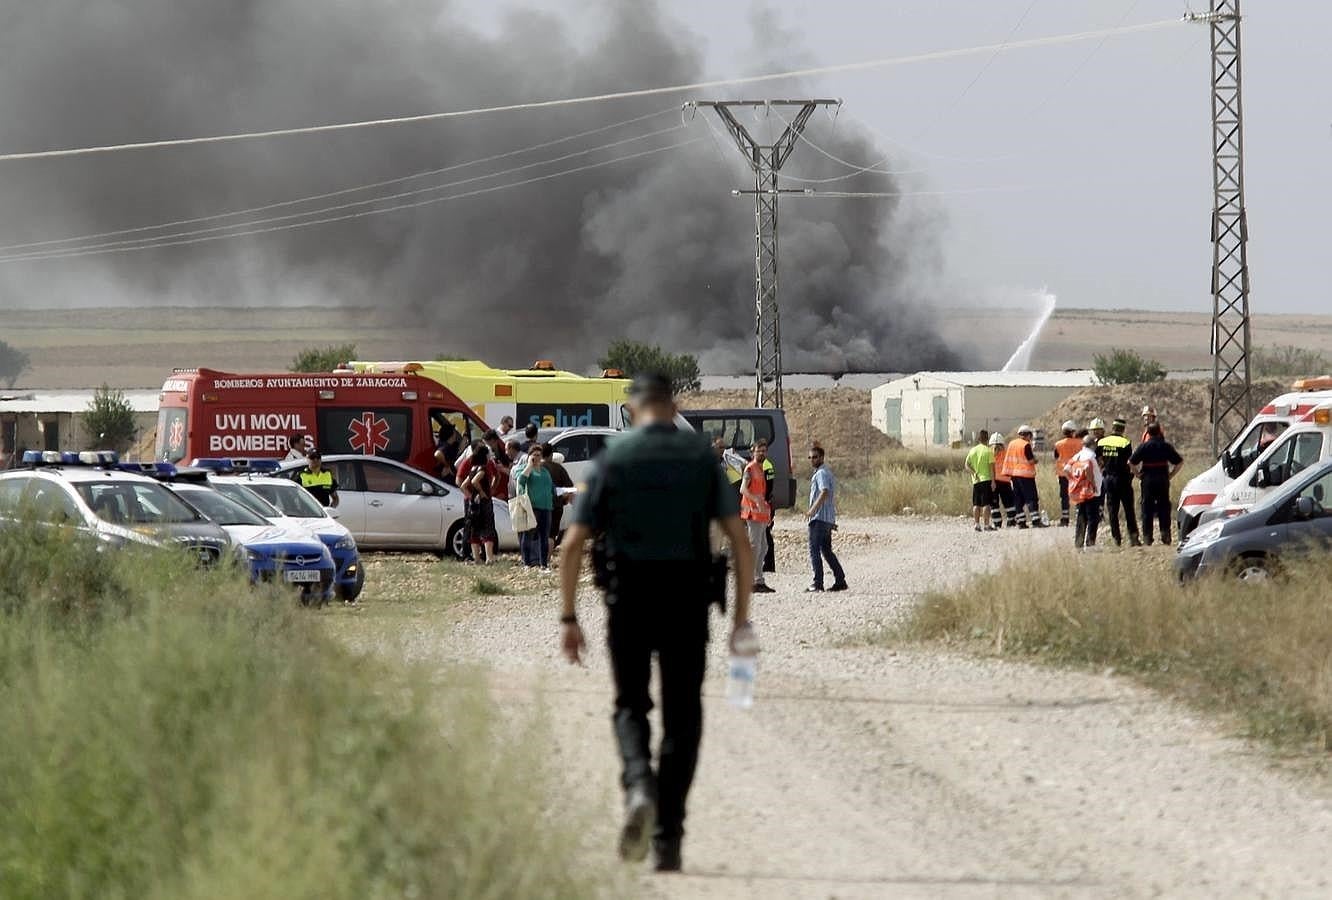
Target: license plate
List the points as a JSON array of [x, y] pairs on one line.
[[302, 576]]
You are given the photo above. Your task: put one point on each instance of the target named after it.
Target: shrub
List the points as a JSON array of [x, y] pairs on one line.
[[109, 421], [1126, 367], [484, 587], [1288, 361], [176, 734], [13, 363], [1260, 651], [323, 359], [636, 358]]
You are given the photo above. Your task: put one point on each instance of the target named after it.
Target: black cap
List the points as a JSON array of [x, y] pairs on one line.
[[651, 387], [1119, 423]]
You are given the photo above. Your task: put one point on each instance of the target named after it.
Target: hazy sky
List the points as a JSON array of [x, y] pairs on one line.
[[1109, 144]]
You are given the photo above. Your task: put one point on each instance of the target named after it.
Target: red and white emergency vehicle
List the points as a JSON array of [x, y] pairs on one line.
[[1296, 407], [205, 413]]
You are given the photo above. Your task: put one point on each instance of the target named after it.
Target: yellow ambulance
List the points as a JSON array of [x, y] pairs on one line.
[[542, 395]]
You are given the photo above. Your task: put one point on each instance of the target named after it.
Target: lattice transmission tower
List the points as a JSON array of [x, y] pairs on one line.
[[1232, 401], [766, 160]]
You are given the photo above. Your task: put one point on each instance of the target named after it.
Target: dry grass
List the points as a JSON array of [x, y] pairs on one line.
[[1260, 652]]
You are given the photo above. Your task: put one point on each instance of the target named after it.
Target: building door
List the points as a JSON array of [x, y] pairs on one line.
[[51, 434], [892, 417], [941, 420]]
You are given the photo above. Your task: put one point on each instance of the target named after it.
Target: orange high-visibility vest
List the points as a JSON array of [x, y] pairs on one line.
[[754, 481], [1015, 459], [1000, 473], [1065, 450]]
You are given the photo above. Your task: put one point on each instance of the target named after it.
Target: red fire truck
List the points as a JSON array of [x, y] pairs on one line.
[[205, 413]]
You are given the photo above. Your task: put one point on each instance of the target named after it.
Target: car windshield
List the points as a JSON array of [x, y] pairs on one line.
[[291, 499], [135, 503], [222, 510], [248, 499]]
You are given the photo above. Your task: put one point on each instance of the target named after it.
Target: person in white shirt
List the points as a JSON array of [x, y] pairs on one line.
[[1085, 481], [295, 447]]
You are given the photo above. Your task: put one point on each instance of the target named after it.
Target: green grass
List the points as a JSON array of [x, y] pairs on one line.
[[1260, 652], [177, 734], [484, 587]]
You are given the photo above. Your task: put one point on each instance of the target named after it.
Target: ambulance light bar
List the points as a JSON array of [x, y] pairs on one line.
[[70, 458], [229, 466], [1322, 415]]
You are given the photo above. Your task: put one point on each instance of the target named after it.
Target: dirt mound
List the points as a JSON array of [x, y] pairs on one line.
[[1184, 408], [838, 418]]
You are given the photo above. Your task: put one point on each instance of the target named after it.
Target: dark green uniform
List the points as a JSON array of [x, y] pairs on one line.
[[651, 500]]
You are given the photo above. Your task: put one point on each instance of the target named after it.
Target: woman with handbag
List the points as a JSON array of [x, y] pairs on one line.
[[535, 483]]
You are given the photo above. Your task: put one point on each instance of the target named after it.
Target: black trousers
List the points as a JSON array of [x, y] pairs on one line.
[[1004, 505], [1088, 520], [770, 559], [672, 622], [1063, 500], [1118, 493], [1156, 506]]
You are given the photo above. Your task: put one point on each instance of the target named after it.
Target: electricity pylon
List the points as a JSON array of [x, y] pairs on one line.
[[766, 160], [1232, 400]]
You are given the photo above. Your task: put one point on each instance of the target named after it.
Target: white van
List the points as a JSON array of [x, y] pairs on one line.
[[1255, 438], [1301, 446]]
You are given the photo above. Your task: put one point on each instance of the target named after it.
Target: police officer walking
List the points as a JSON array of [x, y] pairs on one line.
[[1115, 450], [1156, 462], [649, 504]]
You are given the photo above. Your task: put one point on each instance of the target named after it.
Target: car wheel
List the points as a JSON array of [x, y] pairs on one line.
[[1254, 568], [349, 592], [456, 542]]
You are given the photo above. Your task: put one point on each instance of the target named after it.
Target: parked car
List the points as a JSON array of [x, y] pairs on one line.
[[90, 492], [292, 506], [269, 552], [579, 447], [388, 505], [1294, 520]]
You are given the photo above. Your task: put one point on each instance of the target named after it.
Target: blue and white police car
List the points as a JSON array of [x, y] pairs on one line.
[[271, 552], [93, 492], [289, 505]]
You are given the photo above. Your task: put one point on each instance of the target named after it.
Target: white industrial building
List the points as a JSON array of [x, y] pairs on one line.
[[946, 409], [40, 420]]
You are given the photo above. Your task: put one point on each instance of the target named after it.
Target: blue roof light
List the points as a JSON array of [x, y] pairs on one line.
[[70, 458], [151, 469], [228, 465]]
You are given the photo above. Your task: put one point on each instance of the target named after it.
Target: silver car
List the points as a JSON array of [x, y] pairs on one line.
[[388, 505]]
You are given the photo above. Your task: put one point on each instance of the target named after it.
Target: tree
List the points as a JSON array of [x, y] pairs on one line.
[[636, 358], [109, 421], [323, 359], [1126, 367], [13, 363], [1288, 361]]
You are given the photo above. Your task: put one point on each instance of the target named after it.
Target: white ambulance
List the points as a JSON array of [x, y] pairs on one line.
[[1252, 442], [1303, 445]]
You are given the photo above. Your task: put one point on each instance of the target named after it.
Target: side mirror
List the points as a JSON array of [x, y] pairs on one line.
[[332, 512], [1276, 475], [1263, 477], [1304, 508], [427, 488]]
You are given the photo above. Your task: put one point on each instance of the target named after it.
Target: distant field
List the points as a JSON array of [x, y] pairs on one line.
[[124, 348]]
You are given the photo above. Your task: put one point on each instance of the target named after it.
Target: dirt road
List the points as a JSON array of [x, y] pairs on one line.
[[868, 772]]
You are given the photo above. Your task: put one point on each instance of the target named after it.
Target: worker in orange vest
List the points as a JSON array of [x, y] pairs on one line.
[[1065, 449], [1020, 464], [756, 511], [1003, 509]]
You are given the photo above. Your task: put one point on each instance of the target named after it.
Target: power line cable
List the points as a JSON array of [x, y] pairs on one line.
[[600, 98], [355, 215], [355, 203], [338, 193]]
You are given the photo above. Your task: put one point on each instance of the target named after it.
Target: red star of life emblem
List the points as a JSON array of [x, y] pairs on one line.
[[176, 436], [369, 434]]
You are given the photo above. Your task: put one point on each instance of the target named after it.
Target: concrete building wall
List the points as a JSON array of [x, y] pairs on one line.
[[1003, 409], [56, 431], [928, 415]]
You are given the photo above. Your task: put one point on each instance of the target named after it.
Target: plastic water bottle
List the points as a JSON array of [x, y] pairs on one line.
[[741, 667]]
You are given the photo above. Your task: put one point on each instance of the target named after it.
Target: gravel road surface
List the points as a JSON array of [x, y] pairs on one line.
[[873, 772]]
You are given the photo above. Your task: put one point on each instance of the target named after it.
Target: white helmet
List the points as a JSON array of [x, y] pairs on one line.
[[1024, 429], [1070, 425], [1096, 425], [996, 439], [1148, 411]]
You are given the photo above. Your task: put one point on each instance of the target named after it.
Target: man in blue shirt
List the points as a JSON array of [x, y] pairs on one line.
[[822, 518]]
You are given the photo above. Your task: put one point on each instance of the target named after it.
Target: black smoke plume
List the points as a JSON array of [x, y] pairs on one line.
[[654, 248]]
